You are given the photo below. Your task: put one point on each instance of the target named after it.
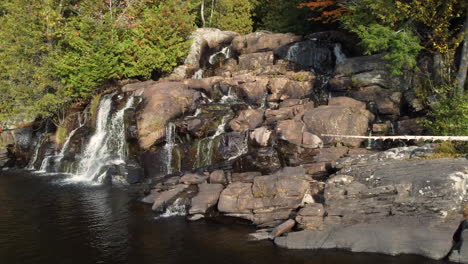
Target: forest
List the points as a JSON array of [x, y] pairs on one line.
[[59, 53]]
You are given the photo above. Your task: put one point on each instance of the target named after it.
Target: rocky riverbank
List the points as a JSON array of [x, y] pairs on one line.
[[238, 130]]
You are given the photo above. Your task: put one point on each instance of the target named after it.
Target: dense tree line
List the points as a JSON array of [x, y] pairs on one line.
[[57, 52]]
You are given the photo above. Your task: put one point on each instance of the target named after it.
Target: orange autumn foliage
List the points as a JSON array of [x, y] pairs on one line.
[[330, 11]]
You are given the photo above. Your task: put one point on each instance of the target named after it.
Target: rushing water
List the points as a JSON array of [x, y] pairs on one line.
[[43, 221]]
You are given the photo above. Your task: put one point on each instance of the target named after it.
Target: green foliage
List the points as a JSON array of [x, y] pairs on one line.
[[60, 135], [158, 40], [402, 47], [449, 116], [234, 15], [284, 16]]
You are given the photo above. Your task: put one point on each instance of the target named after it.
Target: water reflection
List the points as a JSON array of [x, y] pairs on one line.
[[43, 220]]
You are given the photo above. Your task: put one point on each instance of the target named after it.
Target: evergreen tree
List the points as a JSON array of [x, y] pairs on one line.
[[233, 15]]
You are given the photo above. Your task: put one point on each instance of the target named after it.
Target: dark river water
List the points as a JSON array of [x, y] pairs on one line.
[[44, 220]]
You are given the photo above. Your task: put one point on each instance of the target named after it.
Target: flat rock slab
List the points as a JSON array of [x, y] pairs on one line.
[[391, 239], [207, 197], [163, 199]]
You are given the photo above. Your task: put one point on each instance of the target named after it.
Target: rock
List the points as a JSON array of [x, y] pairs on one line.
[[132, 87], [208, 195], [318, 169], [347, 102], [273, 116], [385, 238], [246, 177], [191, 178], [293, 102], [217, 176], [247, 120], [282, 88], [163, 199], [330, 154], [338, 120], [196, 217], [460, 252], [203, 39], [163, 101], [204, 84], [236, 198], [386, 101], [412, 126], [253, 91], [371, 78], [257, 236], [310, 140], [261, 41], [283, 228], [310, 54], [264, 160], [382, 128], [149, 199], [291, 131], [261, 136], [361, 64], [311, 217], [253, 61]]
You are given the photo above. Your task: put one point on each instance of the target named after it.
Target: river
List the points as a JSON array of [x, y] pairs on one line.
[[45, 220]]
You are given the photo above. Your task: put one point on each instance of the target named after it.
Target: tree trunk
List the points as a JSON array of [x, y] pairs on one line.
[[202, 13], [461, 76], [211, 15]]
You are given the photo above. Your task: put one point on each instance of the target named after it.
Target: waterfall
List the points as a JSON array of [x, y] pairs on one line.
[[178, 208], [39, 143], [168, 148], [205, 147], [198, 74], [339, 55], [231, 97], [107, 145], [225, 52]]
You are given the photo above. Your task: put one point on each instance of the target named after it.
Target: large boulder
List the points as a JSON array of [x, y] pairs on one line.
[[262, 41], [247, 120], [163, 101], [283, 88], [253, 61], [207, 197], [385, 203], [338, 120]]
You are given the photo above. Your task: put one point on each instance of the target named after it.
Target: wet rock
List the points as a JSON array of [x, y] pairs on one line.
[[311, 217], [163, 199], [196, 217], [291, 131], [261, 136], [264, 160], [282, 88], [204, 84], [381, 128], [207, 197], [283, 228], [162, 102], [310, 54], [192, 178], [246, 177], [236, 198], [260, 41], [149, 199], [386, 238], [412, 126], [253, 61], [259, 235], [460, 252], [247, 120], [218, 176], [361, 64], [338, 120]]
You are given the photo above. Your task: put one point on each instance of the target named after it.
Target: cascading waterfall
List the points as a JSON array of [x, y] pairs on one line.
[[339, 55], [225, 53], [198, 74], [39, 143], [107, 146], [169, 147], [205, 147]]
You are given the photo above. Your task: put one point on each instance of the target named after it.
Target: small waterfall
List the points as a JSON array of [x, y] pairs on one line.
[[198, 74], [225, 53], [231, 97], [339, 55], [34, 158], [242, 148], [370, 141], [206, 146], [108, 145], [178, 208], [169, 147]]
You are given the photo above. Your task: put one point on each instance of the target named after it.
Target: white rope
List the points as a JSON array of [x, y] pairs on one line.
[[425, 138]]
